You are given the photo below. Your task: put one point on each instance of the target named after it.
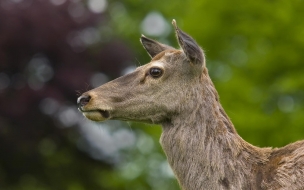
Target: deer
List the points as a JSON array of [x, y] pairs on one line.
[[201, 144]]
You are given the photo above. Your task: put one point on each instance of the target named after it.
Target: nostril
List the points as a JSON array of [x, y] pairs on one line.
[[83, 100]]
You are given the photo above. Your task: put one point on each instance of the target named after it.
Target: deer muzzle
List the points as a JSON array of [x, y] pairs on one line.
[[83, 103]]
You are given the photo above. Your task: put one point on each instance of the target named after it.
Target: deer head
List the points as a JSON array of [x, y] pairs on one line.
[[154, 92]]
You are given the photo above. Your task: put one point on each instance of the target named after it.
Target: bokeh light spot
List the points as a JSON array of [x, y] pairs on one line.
[[39, 72], [58, 2], [286, 104], [128, 70], [98, 79], [49, 106], [154, 24], [97, 6], [68, 115]]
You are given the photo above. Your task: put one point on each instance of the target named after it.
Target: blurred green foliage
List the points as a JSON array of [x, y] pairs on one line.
[[254, 55], [255, 58]]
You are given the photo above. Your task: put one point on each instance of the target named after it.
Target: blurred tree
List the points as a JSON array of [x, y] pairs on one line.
[[46, 56], [51, 49]]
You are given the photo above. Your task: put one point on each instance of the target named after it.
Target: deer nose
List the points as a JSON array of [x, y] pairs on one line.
[[83, 100]]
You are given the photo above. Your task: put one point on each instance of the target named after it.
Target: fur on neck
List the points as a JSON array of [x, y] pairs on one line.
[[204, 149]]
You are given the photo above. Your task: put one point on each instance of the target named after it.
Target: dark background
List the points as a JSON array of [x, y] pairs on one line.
[[53, 50]]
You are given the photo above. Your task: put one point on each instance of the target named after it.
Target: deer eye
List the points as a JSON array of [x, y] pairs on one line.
[[155, 72]]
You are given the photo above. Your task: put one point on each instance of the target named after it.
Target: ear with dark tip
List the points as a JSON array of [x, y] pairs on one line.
[[153, 47], [192, 50]]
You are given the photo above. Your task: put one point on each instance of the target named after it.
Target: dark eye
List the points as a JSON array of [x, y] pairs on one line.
[[155, 72]]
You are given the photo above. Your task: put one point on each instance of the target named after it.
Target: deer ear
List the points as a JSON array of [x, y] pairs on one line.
[[153, 47], [192, 50]]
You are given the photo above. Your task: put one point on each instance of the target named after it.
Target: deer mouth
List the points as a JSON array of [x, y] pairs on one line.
[[104, 113], [97, 115]]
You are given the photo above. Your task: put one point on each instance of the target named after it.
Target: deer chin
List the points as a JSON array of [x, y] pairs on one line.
[[97, 115]]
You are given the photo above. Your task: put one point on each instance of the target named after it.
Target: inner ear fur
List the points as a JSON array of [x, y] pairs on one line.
[[153, 47], [192, 50]]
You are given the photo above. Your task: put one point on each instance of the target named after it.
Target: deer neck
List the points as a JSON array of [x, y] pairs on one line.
[[205, 151]]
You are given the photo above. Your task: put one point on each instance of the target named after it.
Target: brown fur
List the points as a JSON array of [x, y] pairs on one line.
[[198, 138]]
